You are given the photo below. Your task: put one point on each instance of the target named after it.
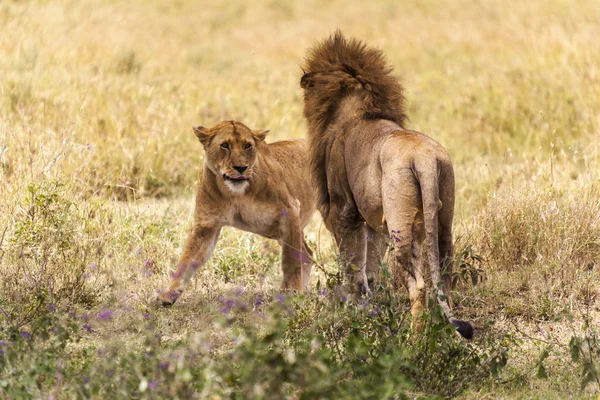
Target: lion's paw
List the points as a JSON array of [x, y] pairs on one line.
[[166, 299]]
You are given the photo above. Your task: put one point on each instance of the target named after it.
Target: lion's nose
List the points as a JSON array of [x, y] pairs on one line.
[[240, 169]]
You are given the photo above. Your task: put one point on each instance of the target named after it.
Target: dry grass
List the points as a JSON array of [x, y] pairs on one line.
[[99, 96]]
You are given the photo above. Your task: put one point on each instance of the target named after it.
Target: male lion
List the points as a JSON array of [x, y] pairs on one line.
[[254, 186], [369, 169]]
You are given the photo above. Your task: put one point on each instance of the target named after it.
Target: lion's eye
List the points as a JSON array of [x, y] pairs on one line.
[[224, 145], [247, 146]]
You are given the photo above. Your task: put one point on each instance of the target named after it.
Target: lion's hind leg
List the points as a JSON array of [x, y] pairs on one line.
[[407, 266], [401, 199]]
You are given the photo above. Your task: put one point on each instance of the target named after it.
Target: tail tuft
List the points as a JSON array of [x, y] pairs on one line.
[[463, 327]]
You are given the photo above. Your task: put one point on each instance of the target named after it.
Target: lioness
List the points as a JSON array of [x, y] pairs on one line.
[[375, 178], [254, 186]]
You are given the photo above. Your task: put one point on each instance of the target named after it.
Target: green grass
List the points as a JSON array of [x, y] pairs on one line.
[[98, 166]]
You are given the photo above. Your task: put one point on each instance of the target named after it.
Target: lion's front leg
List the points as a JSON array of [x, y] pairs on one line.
[[376, 248], [307, 263], [292, 256], [196, 252], [350, 236], [353, 256]]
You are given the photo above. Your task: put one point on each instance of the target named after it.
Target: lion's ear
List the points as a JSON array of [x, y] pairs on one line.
[[307, 80], [203, 134], [259, 136]]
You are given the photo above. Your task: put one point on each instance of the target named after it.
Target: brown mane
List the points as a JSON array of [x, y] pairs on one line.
[[338, 67]]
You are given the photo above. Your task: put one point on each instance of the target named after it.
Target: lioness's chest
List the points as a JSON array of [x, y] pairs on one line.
[[261, 218]]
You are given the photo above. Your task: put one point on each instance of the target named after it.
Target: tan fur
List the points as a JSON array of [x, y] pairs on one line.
[[273, 197], [375, 178]]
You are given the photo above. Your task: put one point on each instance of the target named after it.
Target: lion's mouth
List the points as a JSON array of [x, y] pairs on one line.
[[239, 178]]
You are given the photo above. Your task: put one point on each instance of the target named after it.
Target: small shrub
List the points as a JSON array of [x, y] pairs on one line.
[[585, 353], [49, 258], [317, 347]]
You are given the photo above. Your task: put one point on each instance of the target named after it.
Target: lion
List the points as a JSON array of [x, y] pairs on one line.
[[254, 186], [375, 178]]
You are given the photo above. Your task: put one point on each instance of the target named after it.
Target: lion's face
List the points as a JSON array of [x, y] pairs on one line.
[[231, 152]]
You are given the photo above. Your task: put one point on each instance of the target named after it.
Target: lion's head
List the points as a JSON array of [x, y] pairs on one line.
[[231, 152]]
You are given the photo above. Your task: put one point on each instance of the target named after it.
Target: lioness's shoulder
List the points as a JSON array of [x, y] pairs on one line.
[[292, 144]]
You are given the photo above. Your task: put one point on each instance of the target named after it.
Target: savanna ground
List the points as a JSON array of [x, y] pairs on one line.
[[98, 166]]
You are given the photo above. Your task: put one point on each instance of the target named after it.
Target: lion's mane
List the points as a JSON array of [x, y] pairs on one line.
[[335, 68]]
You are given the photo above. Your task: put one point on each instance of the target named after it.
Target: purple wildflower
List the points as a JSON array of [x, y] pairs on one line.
[[93, 266], [228, 306], [239, 290], [323, 292], [87, 327], [152, 385], [85, 317], [25, 335], [86, 379], [147, 316], [1, 352], [374, 312], [87, 276], [163, 365], [343, 297], [2, 342], [146, 273], [281, 298], [105, 315], [51, 308], [284, 212], [258, 301], [147, 269]]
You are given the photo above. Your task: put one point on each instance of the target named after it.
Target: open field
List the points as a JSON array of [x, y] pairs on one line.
[[98, 166]]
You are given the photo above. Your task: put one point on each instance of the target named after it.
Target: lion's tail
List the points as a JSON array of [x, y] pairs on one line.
[[430, 193]]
